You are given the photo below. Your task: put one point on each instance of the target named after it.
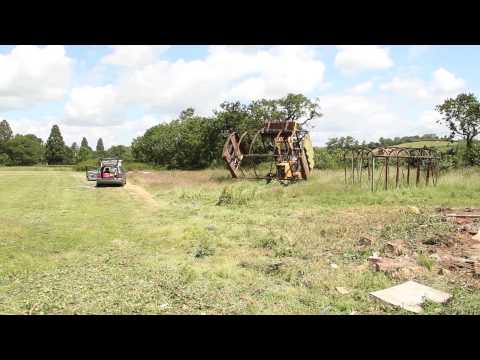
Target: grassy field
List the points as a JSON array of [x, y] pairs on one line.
[[200, 243], [427, 143]]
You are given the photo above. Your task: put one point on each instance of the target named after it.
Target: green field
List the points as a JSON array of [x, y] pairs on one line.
[[200, 243], [427, 143]]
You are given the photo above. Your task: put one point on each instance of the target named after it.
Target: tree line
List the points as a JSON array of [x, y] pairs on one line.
[[192, 142], [30, 150]]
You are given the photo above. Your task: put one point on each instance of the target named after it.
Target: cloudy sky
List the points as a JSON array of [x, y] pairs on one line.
[[117, 92]]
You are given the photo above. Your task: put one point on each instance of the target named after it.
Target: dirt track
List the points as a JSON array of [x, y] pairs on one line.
[[142, 194]]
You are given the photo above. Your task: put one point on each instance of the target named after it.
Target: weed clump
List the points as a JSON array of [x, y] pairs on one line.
[[226, 197], [425, 261], [239, 196], [205, 248], [280, 246]]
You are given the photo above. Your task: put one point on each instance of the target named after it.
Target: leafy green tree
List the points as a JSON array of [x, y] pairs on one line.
[[100, 149], [55, 147], [74, 149], [5, 131], [187, 113], [85, 151], [69, 156], [192, 141], [84, 143], [25, 150], [4, 159], [121, 152], [343, 142], [462, 117], [5, 135]]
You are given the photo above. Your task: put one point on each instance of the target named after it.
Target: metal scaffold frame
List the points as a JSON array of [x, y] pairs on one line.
[[409, 166]]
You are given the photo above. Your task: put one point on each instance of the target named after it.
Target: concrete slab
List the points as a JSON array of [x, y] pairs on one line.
[[410, 295]]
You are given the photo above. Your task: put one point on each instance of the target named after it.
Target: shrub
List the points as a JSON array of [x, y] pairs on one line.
[[86, 163], [204, 248]]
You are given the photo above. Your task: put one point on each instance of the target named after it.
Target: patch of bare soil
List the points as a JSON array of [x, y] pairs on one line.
[[457, 253], [180, 178]]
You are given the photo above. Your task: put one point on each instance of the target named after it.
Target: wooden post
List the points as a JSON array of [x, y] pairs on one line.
[[418, 172], [408, 172], [361, 169], [373, 172], [396, 176], [369, 168], [428, 174], [353, 169], [386, 173]]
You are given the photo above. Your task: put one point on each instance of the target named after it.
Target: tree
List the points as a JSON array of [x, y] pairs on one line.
[[341, 143], [5, 135], [85, 151], [121, 152], [100, 149], [192, 141], [74, 149], [462, 117], [25, 150], [84, 143], [187, 113], [5, 131], [69, 157], [55, 147]]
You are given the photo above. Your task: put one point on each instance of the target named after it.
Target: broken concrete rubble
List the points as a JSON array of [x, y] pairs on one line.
[[379, 263], [414, 210], [396, 248], [342, 290], [365, 241], [411, 295]]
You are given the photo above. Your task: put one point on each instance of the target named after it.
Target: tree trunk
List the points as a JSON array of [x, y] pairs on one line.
[[469, 154]]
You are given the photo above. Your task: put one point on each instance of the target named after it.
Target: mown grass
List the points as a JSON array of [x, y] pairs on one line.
[[213, 245], [427, 143]]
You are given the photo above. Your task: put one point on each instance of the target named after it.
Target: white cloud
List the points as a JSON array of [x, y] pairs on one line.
[[356, 58], [227, 72], [446, 82], [363, 117], [32, 74], [133, 55], [407, 86], [90, 106], [361, 88], [443, 84], [428, 123]]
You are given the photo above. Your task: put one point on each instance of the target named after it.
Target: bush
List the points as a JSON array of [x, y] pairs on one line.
[[204, 248], [4, 159], [134, 165], [238, 196], [325, 159], [86, 163]]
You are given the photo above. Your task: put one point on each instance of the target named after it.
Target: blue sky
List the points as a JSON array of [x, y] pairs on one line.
[[117, 92]]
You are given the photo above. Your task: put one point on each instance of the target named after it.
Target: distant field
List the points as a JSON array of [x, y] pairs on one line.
[[198, 242], [433, 143]]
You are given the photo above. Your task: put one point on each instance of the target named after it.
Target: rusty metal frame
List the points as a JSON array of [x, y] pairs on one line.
[[380, 161], [280, 141]]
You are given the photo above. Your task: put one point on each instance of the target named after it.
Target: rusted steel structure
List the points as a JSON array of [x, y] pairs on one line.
[[391, 167], [280, 150]]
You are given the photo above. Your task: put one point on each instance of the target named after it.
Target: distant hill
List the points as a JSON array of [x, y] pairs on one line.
[[427, 143]]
